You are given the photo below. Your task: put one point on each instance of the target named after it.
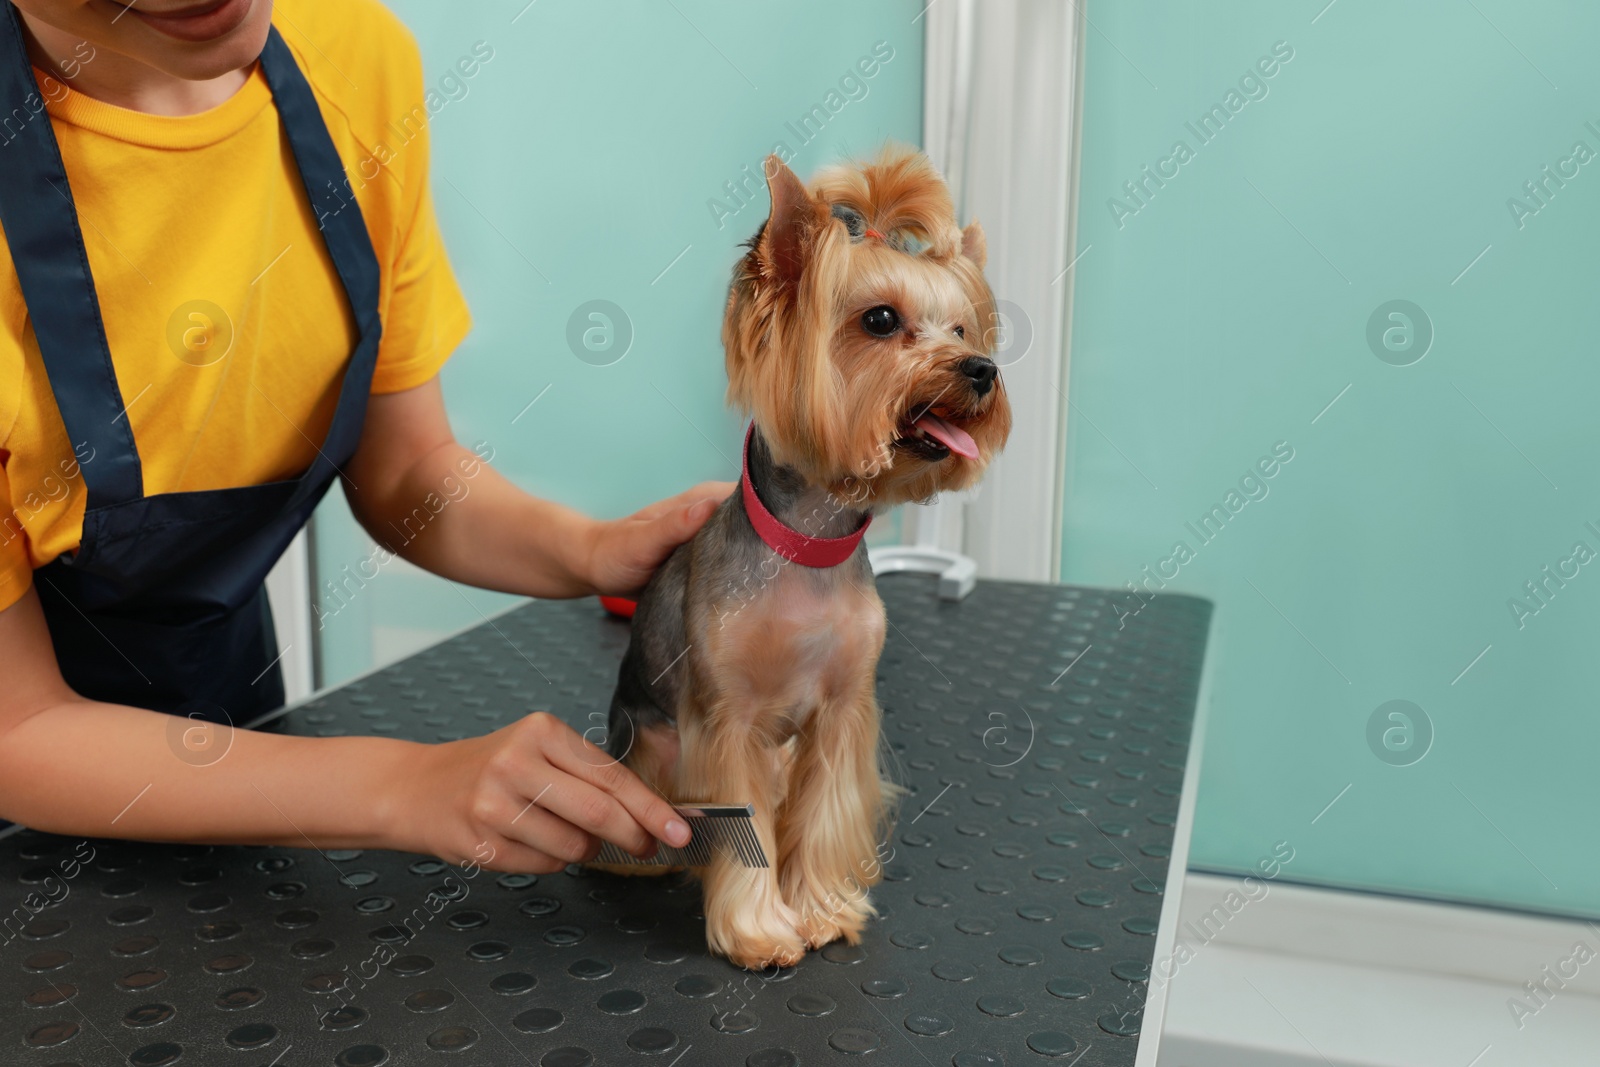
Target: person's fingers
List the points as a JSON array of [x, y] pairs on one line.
[[552, 832], [591, 764], [508, 807], [713, 491], [596, 812], [684, 521], [692, 517], [513, 855]]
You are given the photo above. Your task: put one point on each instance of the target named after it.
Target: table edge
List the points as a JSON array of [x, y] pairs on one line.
[[1155, 1007]]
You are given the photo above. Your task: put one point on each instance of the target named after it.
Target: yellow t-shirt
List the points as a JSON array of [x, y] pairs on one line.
[[186, 217]]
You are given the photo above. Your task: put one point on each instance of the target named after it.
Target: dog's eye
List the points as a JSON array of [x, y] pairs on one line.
[[853, 221], [961, 332], [880, 321]]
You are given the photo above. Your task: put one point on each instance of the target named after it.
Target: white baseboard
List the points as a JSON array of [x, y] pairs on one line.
[[1306, 977]]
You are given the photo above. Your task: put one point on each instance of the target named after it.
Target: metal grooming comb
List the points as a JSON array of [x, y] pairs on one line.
[[713, 828]]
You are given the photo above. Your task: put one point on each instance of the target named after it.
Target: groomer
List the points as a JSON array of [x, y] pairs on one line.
[[218, 295]]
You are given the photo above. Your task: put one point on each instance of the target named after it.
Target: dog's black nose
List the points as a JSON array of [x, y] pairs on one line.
[[981, 372]]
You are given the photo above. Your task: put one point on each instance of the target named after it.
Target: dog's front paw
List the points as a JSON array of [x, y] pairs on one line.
[[833, 917], [755, 934], [764, 953], [821, 932]]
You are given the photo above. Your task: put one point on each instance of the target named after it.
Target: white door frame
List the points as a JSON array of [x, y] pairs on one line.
[[1002, 85], [290, 593]]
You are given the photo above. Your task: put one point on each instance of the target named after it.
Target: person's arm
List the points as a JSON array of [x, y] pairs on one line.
[[530, 797], [437, 504], [533, 795]]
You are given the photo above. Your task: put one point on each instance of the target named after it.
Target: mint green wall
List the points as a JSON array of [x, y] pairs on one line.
[[1228, 311], [588, 150]]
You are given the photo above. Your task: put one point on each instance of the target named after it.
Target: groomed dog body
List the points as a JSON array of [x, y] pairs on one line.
[[857, 335]]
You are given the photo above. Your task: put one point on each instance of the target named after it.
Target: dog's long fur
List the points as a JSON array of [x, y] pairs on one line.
[[750, 678]]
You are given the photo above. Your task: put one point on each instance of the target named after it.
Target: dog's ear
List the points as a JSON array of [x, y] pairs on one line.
[[792, 227], [973, 244]]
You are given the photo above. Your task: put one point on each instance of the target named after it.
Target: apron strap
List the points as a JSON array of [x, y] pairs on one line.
[[333, 200], [41, 227]]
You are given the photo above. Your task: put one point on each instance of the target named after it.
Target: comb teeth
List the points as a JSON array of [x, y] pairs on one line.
[[713, 829]]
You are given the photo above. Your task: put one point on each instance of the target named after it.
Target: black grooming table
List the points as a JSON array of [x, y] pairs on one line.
[[1043, 742]]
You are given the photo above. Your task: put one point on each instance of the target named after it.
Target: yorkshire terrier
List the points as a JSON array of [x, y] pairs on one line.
[[858, 336]]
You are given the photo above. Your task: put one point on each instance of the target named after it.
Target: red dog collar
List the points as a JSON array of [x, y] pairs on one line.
[[789, 543]]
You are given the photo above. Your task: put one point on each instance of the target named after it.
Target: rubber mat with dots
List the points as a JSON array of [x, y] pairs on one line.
[[1042, 741]]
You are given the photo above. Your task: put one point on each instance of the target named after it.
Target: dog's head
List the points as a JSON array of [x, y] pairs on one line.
[[859, 331]]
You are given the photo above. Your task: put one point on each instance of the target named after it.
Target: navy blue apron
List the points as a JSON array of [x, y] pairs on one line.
[[163, 605]]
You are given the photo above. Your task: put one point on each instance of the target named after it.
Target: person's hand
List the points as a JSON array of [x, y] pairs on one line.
[[626, 552], [530, 797]]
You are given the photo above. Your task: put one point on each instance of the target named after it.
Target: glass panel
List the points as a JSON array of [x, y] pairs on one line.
[[1334, 329]]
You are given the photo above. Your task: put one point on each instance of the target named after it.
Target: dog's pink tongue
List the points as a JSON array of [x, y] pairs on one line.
[[951, 436]]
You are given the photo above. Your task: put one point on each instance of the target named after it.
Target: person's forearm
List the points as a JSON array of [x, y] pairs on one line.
[[103, 770], [453, 514]]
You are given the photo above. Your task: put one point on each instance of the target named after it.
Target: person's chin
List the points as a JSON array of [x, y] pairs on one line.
[[202, 61], [214, 64]]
